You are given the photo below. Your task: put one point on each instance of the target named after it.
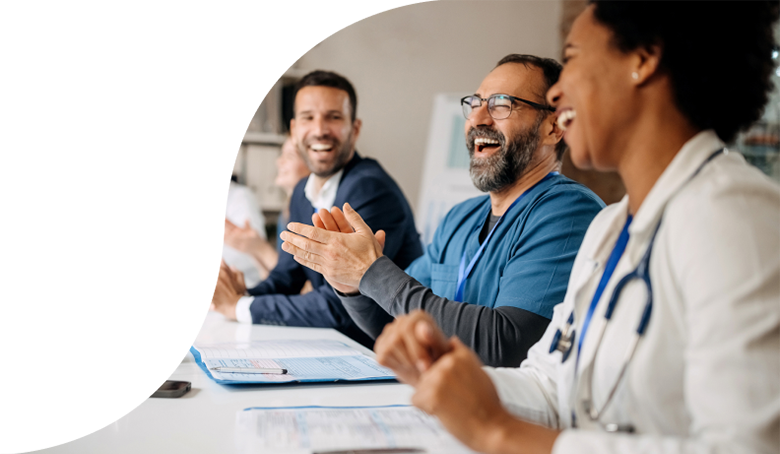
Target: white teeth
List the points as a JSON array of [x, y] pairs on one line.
[[485, 141], [565, 118], [321, 146]]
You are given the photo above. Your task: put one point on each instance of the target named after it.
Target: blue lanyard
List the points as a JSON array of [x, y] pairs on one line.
[[614, 258], [463, 270]]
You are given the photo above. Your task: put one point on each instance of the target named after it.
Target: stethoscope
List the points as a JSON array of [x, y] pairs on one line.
[[564, 338]]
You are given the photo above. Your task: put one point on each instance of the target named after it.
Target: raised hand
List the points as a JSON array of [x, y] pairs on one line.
[[341, 257], [333, 220], [243, 239]]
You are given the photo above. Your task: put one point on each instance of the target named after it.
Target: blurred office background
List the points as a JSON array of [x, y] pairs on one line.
[[116, 172]]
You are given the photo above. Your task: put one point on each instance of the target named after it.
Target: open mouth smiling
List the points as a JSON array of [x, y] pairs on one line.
[[484, 144], [321, 147], [566, 118]]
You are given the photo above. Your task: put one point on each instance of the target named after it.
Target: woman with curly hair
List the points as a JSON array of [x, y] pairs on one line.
[[668, 339]]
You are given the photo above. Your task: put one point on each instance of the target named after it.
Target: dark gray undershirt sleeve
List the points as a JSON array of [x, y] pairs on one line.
[[367, 314], [501, 337]]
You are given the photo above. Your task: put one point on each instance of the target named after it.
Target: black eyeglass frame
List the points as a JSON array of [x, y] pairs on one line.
[[535, 105]]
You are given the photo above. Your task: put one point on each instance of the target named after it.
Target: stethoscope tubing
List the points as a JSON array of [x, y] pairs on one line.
[[563, 340], [642, 272]]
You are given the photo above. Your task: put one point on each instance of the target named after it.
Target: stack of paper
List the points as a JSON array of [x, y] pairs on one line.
[[307, 430]]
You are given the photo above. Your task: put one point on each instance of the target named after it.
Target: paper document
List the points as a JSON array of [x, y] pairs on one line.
[[304, 360], [307, 430]]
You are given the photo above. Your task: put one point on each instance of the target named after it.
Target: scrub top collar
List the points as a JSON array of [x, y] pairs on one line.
[[693, 153], [473, 244]]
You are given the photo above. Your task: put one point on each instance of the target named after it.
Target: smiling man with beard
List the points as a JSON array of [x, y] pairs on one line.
[[498, 263], [325, 128]]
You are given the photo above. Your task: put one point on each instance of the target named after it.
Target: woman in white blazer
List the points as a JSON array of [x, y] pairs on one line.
[[651, 90]]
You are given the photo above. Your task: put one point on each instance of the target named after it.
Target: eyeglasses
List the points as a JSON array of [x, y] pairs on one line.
[[499, 106]]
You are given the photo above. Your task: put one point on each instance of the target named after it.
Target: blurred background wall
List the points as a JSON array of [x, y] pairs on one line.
[[400, 59]]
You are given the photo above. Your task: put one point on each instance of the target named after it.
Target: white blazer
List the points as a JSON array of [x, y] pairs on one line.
[[706, 374]]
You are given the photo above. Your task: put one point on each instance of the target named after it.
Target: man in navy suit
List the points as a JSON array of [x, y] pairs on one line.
[[325, 128]]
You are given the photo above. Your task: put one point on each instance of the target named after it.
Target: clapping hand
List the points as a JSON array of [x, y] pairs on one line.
[[340, 246], [242, 239]]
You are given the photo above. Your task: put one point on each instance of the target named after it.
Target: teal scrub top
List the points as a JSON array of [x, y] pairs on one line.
[[527, 262]]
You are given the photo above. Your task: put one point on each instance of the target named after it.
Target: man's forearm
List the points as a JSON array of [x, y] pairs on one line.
[[500, 337], [366, 314]]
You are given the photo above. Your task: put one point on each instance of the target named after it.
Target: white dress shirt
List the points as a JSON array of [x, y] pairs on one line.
[[706, 374], [326, 195], [322, 199]]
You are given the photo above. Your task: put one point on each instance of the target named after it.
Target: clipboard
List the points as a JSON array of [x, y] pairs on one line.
[[306, 361]]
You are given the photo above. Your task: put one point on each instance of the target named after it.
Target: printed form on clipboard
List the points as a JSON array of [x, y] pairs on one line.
[[301, 360]]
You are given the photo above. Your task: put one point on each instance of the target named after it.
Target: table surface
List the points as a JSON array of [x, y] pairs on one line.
[[204, 420]]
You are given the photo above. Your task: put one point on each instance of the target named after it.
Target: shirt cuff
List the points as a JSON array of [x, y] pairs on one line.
[[243, 314], [346, 295]]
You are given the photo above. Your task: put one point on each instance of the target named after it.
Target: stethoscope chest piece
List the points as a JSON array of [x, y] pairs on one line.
[[563, 341]]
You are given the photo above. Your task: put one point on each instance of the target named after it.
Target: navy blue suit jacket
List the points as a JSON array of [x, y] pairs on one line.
[[379, 201]]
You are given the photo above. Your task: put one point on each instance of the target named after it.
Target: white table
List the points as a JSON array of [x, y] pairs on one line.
[[204, 420]]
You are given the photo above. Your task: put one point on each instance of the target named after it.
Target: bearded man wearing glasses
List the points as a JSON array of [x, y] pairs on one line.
[[498, 263]]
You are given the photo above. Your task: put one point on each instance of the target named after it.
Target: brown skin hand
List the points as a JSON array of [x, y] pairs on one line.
[[410, 345], [451, 385]]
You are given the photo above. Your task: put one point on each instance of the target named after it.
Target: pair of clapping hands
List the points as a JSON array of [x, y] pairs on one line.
[[340, 246], [447, 375]]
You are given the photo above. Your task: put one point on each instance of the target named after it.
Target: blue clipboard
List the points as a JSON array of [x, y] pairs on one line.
[[199, 360]]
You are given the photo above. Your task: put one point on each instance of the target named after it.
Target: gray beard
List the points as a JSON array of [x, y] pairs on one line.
[[507, 165]]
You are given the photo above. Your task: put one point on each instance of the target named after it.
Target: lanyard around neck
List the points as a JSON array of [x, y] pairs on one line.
[[609, 269], [465, 270], [642, 271], [617, 252]]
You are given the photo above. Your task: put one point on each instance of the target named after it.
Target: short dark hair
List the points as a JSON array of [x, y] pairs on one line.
[[551, 70], [718, 55], [320, 78]]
